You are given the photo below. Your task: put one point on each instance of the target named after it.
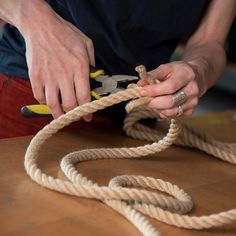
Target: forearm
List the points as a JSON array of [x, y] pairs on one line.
[[205, 48], [10, 10], [209, 61], [25, 14]]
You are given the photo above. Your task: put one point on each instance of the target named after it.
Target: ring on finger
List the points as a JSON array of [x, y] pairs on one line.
[[179, 98]]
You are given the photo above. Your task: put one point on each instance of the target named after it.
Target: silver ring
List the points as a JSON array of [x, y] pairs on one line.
[[179, 98], [180, 111]]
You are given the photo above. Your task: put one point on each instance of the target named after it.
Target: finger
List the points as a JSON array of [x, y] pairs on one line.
[[39, 93], [161, 102], [192, 89], [37, 86], [82, 88], [169, 86], [142, 83], [191, 104], [167, 102], [90, 51], [173, 112], [169, 113], [52, 99], [174, 79], [185, 114], [162, 72], [68, 95]]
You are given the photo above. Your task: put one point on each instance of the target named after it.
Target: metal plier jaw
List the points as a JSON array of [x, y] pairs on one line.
[[114, 83]]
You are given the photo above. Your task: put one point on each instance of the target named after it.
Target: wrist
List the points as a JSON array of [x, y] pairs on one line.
[[208, 61], [31, 15], [200, 68]]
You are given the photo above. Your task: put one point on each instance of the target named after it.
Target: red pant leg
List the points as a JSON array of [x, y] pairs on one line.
[[16, 93]]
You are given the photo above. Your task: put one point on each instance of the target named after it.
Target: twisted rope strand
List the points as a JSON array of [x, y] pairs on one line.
[[133, 203]]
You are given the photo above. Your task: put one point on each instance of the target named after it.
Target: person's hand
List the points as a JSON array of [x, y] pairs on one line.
[[174, 78], [58, 56]]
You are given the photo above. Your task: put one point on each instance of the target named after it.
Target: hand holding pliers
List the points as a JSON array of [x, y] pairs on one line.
[[100, 83]]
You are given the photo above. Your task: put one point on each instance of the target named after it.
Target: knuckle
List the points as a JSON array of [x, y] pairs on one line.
[[84, 98], [33, 74], [39, 98], [166, 102], [195, 102], [188, 113], [52, 104], [195, 89], [69, 106], [89, 43], [191, 73]]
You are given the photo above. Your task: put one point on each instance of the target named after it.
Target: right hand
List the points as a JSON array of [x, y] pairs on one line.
[[58, 56]]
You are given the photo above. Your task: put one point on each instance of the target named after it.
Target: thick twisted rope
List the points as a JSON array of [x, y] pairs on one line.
[[133, 203]]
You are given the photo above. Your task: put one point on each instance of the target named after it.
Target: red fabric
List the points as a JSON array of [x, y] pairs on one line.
[[16, 93]]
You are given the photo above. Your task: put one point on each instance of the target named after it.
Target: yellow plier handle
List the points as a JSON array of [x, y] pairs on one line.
[[94, 72], [38, 110]]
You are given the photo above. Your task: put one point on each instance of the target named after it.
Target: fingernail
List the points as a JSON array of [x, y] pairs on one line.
[[88, 118], [143, 92]]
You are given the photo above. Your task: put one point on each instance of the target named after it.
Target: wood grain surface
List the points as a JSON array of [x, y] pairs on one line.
[[29, 209]]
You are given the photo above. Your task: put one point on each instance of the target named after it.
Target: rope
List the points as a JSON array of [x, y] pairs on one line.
[[123, 193]]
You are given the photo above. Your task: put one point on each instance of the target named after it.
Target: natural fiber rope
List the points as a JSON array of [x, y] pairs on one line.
[[132, 202]]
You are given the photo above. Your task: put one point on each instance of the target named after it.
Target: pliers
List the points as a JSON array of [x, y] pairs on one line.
[[100, 83]]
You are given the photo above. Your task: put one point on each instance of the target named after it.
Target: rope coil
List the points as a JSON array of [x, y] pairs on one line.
[[133, 203]]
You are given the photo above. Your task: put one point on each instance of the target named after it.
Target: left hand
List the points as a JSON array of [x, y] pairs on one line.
[[173, 77]]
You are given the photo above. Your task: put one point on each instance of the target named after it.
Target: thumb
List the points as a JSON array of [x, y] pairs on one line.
[[162, 72]]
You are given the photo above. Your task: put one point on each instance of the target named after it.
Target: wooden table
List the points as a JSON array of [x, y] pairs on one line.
[[29, 209]]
